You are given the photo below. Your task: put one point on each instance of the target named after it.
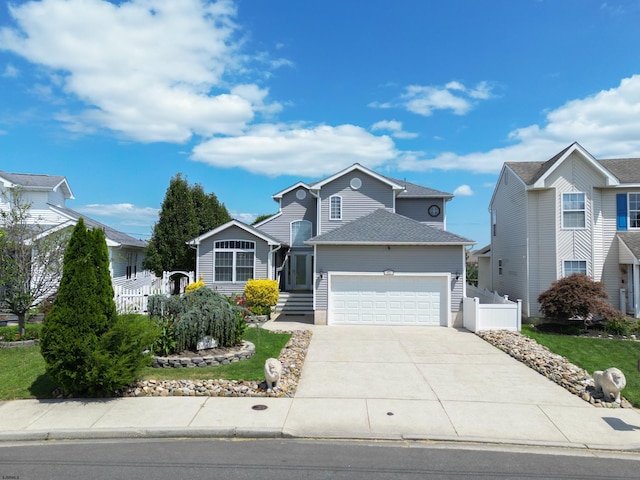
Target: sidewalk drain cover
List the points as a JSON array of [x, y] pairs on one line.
[[259, 407]]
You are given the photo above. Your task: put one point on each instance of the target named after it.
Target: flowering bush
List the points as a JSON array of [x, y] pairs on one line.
[[10, 334], [261, 295], [194, 286]]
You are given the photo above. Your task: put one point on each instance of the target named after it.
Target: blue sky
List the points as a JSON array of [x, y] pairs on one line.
[[248, 97]]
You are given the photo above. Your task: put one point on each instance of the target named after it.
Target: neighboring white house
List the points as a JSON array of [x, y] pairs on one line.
[[571, 213], [47, 196]]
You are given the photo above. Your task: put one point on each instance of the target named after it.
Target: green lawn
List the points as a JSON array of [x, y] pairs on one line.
[[267, 344], [596, 354], [23, 372]]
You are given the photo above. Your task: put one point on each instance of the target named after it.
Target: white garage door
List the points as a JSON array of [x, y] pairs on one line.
[[388, 300]]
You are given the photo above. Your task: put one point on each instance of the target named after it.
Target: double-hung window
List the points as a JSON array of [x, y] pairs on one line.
[[634, 210], [234, 260], [574, 266], [574, 213], [335, 207]]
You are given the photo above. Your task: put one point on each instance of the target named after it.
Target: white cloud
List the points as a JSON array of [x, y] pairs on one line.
[[606, 124], [10, 71], [463, 191], [393, 126], [425, 99], [125, 213], [152, 70], [247, 218], [278, 149]]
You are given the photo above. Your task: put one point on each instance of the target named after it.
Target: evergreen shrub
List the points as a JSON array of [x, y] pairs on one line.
[[88, 350], [186, 319]]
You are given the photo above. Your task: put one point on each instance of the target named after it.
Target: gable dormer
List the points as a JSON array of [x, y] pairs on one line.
[[351, 194], [40, 190]]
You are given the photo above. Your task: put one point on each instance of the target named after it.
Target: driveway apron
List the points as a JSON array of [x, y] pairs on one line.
[[435, 383]]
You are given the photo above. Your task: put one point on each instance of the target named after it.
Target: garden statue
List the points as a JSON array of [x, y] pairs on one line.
[[272, 372], [611, 382]]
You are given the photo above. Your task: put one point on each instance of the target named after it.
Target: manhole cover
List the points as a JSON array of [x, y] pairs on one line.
[[259, 407]]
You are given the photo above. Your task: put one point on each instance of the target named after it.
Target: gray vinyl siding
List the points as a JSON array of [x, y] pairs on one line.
[[372, 195], [510, 241], [418, 209], [405, 259], [206, 260], [291, 209]]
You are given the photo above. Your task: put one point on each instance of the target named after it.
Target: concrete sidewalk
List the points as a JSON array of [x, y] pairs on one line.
[[411, 383]]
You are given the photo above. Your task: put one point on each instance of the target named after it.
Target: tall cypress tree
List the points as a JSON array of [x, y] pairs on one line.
[[187, 211], [88, 349], [71, 330]]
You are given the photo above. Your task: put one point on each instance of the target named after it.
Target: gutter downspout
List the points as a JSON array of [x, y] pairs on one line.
[[271, 261]]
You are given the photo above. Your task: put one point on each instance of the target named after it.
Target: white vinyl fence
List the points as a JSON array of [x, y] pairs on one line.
[[484, 310], [133, 300]]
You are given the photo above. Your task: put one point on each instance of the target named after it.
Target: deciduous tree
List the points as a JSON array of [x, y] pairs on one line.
[[31, 256]]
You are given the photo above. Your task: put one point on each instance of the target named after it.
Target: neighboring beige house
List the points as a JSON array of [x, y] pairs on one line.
[[571, 213], [47, 196]]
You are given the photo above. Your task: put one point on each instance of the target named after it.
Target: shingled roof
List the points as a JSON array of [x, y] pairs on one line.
[[632, 241], [626, 170], [111, 233], [32, 181], [386, 228]]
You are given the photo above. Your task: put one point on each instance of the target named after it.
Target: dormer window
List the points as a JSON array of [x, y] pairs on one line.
[[335, 207]]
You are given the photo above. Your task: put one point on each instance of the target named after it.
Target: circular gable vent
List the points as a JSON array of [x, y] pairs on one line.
[[301, 194], [356, 183]]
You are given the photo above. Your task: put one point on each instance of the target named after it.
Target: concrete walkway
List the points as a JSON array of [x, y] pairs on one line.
[[417, 383]]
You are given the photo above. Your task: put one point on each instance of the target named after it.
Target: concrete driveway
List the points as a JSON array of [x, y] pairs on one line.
[[439, 383]]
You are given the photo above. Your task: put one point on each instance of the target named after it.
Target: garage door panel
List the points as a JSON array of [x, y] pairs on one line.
[[390, 300]]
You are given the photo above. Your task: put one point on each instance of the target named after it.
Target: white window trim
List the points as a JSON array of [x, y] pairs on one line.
[[234, 258], [583, 210], [291, 232], [331, 217], [586, 265], [629, 227]]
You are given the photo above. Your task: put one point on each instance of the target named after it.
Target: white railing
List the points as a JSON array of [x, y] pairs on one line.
[[489, 311], [133, 300]]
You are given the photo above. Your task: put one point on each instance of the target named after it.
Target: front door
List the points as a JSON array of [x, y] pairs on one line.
[[301, 270]]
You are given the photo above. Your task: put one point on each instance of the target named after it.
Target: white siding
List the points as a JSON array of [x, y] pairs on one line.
[[542, 221], [509, 244]]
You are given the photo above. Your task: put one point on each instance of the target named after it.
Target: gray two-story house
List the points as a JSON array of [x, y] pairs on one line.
[[569, 214], [367, 248]]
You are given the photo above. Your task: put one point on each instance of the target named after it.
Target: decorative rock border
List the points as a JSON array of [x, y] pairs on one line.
[[553, 366], [18, 344], [292, 357], [245, 350]]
